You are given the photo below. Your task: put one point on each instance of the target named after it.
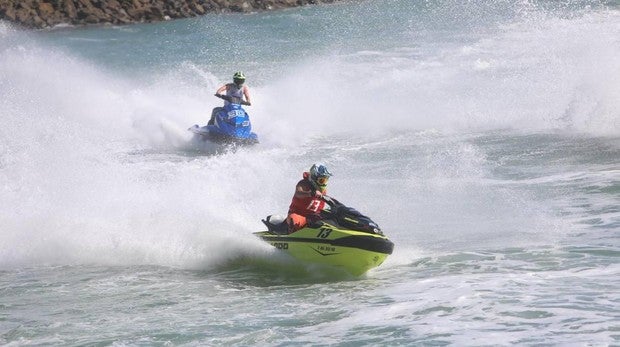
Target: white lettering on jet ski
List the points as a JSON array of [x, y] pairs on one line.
[[235, 113]]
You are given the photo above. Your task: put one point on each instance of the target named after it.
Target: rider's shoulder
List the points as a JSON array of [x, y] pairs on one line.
[[305, 183]]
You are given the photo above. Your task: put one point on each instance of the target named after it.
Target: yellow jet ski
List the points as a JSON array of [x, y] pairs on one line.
[[345, 239]]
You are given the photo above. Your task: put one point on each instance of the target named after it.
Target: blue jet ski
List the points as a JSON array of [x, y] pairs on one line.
[[228, 125]]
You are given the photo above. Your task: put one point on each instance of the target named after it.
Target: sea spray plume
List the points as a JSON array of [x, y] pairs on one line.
[[527, 73], [495, 231], [149, 111], [76, 190]]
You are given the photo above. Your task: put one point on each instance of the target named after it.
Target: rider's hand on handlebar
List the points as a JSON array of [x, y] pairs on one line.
[[318, 194]]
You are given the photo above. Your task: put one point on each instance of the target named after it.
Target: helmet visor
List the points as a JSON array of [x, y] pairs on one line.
[[322, 180]]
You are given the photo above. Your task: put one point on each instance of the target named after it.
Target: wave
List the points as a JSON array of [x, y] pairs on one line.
[[97, 169]]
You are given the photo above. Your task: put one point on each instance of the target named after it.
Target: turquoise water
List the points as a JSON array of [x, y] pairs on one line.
[[483, 137]]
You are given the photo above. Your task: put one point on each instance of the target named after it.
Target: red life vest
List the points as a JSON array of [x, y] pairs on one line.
[[304, 202]]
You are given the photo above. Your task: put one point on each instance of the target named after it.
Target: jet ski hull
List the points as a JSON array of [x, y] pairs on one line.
[[229, 125], [354, 251], [209, 133]]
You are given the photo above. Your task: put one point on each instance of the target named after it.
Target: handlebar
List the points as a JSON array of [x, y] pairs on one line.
[[233, 100]]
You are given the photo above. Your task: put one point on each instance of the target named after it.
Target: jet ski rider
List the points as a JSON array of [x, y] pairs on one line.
[[237, 89], [309, 198]]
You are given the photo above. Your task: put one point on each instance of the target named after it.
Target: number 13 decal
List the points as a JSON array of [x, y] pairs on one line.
[[324, 233], [314, 205]]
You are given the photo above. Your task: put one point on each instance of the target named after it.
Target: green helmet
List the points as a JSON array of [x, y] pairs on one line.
[[238, 78]]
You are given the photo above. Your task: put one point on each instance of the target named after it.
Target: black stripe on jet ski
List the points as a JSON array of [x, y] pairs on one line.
[[367, 243]]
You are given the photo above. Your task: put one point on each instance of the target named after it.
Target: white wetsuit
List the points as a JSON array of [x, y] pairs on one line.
[[234, 91]]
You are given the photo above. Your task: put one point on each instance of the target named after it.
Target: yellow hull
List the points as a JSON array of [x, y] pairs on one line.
[[354, 251]]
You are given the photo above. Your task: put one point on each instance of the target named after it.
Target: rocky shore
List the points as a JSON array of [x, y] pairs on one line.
[[39, 14]]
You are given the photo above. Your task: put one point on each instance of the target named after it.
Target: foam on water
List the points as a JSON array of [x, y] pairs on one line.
[[481, 137], [96, 167]]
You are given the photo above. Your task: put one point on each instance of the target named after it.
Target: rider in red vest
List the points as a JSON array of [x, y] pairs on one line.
[[308, 201]]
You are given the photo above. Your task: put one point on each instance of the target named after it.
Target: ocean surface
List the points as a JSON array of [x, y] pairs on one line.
[[482, 136]]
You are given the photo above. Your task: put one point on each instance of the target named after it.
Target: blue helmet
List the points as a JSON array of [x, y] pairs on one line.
[[319, 175]]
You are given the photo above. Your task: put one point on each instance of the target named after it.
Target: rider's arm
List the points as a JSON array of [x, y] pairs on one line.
[[246, 92], [221, 89]]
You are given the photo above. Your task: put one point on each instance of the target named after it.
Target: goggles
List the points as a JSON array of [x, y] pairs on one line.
[[322, 180]]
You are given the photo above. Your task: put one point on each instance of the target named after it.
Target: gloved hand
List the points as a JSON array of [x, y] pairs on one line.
[[314, 221], [318, 194]]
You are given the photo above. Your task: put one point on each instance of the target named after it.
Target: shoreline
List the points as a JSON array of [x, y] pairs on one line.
[[47, 14]]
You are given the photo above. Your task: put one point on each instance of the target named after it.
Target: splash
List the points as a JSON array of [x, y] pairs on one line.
[[94, 168], [534, 73]]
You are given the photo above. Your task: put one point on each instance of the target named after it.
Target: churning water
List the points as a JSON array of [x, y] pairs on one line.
[[483, 137]]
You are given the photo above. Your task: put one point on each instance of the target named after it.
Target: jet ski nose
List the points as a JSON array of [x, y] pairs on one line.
[[276, 224], [276, 219]]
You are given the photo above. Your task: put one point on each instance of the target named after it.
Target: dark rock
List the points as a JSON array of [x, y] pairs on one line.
[[92, 19], [69, 10], [8, 13], [47, 13], [46, 9]]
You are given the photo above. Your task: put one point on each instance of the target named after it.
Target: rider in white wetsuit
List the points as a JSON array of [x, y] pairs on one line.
[[236, 89]]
